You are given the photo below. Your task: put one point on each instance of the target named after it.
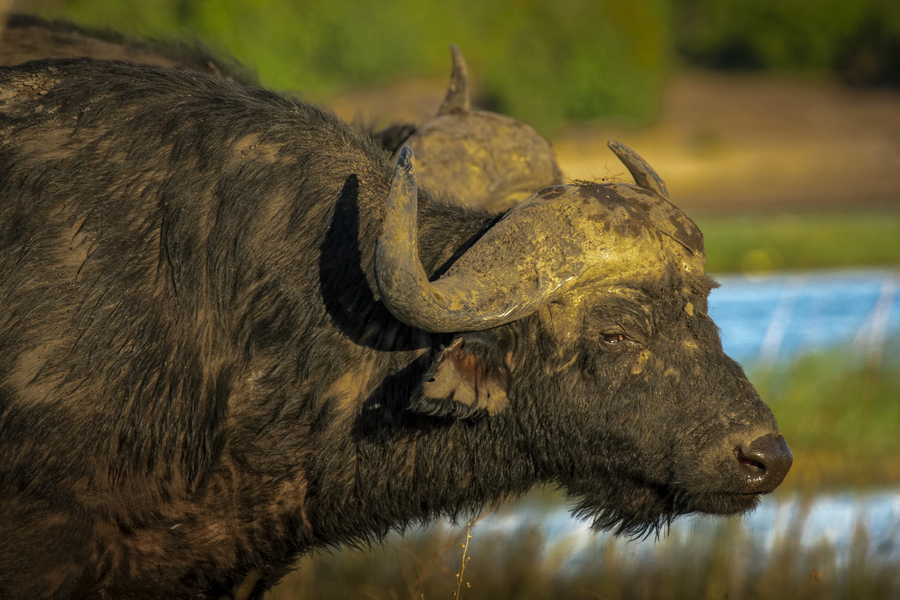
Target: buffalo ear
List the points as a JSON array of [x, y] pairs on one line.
[[468, 379]]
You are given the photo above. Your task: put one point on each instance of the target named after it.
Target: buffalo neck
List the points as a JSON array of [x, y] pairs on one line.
[[406, 469]]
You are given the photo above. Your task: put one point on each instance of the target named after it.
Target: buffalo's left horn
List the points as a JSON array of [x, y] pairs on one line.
[[449, 304]]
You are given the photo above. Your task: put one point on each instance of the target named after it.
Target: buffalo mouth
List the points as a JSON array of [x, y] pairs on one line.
[[722, 504], [639, 510]]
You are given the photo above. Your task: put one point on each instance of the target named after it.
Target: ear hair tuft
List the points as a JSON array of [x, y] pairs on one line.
[[465, 381]]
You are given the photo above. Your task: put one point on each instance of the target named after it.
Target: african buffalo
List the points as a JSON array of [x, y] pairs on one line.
[[231, 333]]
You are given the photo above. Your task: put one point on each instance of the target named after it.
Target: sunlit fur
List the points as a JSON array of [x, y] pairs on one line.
[[198, 382]]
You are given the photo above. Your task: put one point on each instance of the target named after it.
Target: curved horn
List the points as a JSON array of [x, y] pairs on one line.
[[461, 303], [402, 281], [457, 98], [664, 215], [563, 237], [643, 174]]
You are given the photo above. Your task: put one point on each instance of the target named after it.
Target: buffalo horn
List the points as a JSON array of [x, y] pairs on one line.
[[643, 174], [457, 98], [461, 303]]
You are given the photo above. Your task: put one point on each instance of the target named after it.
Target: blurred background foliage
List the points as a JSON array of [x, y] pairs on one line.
[[547, 63], [860, 40]]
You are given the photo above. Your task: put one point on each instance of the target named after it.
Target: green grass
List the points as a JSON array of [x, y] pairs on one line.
[[547, 63], [763, 243]]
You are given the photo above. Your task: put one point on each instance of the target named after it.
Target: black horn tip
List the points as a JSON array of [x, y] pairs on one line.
[[405, 167], [406, 156]]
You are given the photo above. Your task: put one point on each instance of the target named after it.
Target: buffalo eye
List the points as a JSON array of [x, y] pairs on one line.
[[616, 340]]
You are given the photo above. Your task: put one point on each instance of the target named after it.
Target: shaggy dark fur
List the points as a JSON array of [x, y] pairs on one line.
[[198, 381]]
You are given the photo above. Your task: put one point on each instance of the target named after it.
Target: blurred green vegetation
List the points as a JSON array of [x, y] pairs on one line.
[[547, 63], [859, 39], [840, 411], [762, 243]]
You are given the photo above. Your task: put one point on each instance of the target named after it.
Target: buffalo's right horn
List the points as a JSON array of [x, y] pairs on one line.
[[643, 173]]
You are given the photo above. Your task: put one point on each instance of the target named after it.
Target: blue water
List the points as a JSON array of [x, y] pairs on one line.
[[776, 318]]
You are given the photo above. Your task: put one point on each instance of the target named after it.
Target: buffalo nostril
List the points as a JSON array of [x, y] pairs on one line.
[[765, 461]]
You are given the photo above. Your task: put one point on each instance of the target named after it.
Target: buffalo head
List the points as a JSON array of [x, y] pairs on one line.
[[585, 308]]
